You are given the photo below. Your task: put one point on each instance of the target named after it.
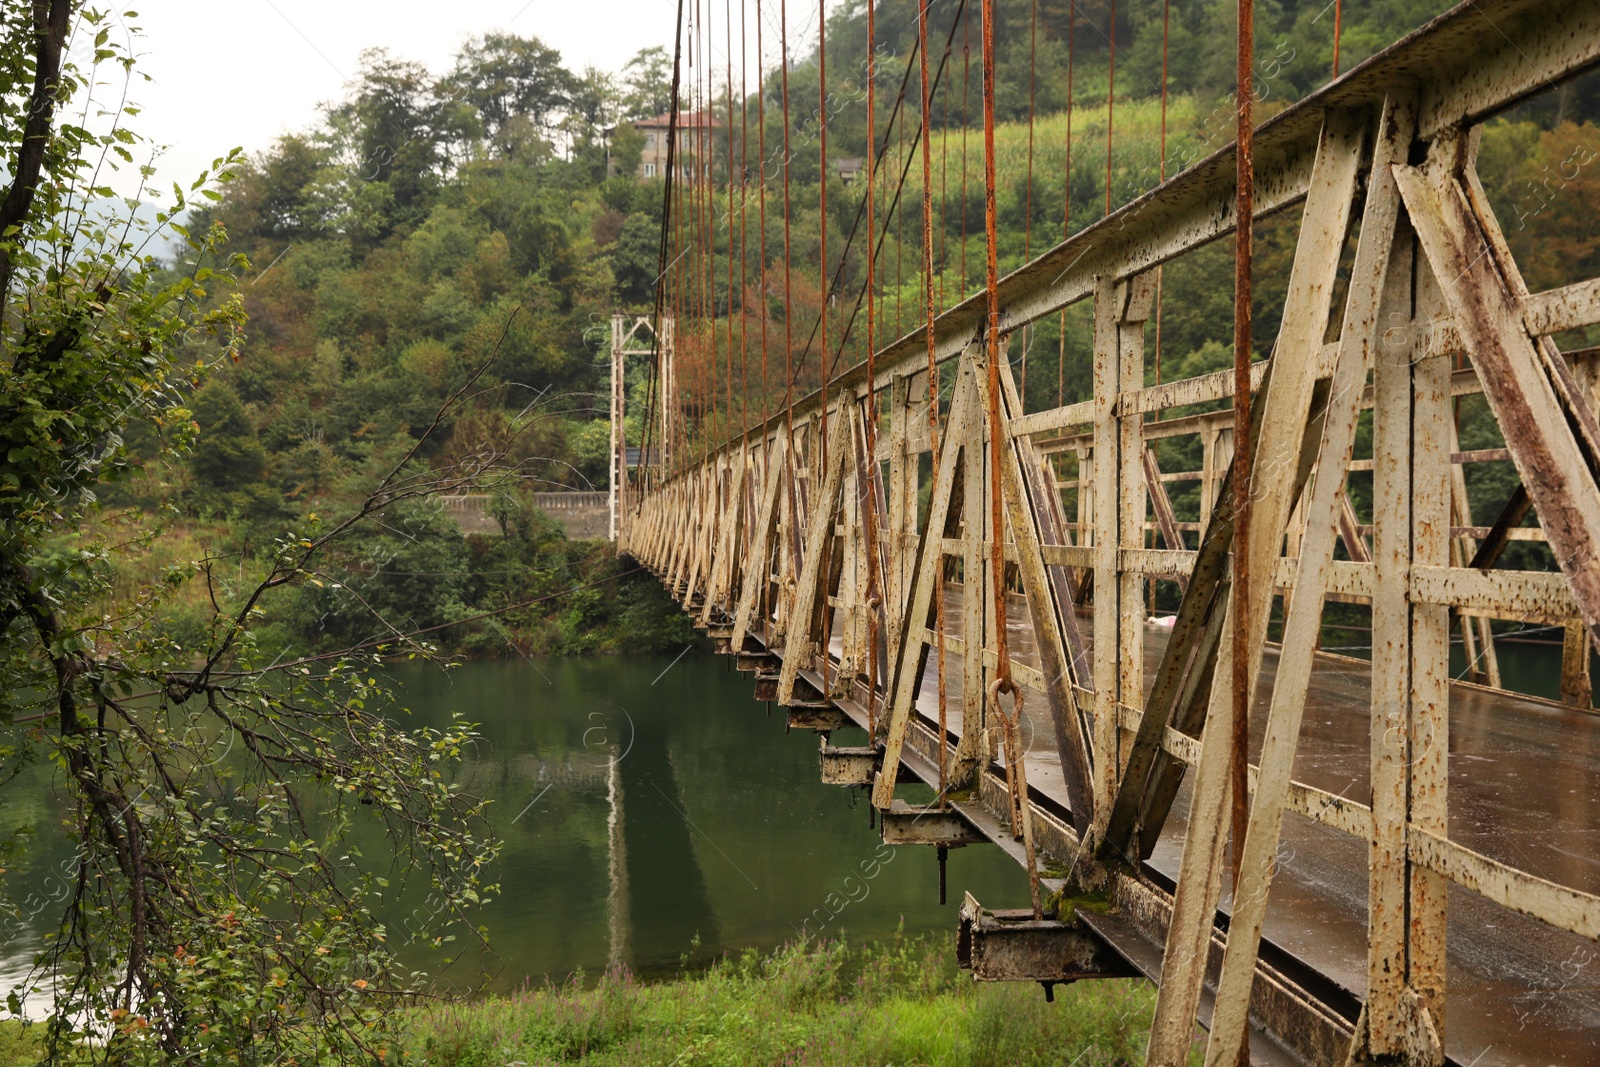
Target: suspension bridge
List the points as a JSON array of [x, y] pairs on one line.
[[1317, 858]]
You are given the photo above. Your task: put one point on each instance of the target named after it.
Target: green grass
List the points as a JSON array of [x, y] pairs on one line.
[[20, 1045], [901, 1003]]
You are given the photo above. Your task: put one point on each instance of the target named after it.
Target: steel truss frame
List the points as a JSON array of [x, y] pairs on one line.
[[767, 540]]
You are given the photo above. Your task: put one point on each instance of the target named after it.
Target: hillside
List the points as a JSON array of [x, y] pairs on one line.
[[456, 236]]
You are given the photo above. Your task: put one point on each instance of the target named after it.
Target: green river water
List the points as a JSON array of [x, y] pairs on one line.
[[652, 813], [649, 810]]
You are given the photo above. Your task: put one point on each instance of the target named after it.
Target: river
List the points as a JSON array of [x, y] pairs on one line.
[[652, 814], [650, 809]]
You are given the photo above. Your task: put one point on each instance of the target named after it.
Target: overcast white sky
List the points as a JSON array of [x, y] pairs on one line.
[[243, 72]]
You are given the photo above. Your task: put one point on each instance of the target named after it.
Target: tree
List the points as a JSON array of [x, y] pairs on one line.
[[231, 455], [594, 107], [636, 258], [594, 102], [627, 148], [278, 184], [648, 78], [412, 578], [393, 133], [213, 907], [506, 77]]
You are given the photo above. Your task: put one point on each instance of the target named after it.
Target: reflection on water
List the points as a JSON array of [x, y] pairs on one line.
[[650, 810], [650, 814]]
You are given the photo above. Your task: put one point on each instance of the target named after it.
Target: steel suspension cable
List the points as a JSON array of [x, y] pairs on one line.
[[788, 263], [1166, 13], [679, 317], [869, 493], [1066, 199], [707, 240], [822, 211], [966, 120], [1027, 210], [944, 191], [666, 229], [869, 204], [708, 366], [908, 158], [1111, 97], [822, 254], [1027, 215], [935, 537], [697, 304], [899, 233], [683, 370], [1244, 220], [691, 279], [727, 28], [761, 194], [744, 228], [1337, 26], [697, 227], [992, 345], [1003, 683]]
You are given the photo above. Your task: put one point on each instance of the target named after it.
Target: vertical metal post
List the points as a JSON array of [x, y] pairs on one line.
[[1132, 506], [1085, 496], [1109, 299], [1391, 661], [669, 392], [1209, 438], [1576, 689], [902, 500], [975, 606], [619, 444], [1430, 657]]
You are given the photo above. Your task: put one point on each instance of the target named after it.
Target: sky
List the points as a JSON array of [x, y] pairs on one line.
[[242, 73]]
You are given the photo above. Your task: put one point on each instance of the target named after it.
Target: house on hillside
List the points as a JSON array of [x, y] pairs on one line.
[[693, 158]]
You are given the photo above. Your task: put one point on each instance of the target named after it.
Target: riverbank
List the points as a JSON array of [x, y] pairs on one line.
[[896, 1002], [524, 589], [822, 1005]]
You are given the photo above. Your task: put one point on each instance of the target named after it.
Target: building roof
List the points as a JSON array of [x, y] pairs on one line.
[[686, 120]]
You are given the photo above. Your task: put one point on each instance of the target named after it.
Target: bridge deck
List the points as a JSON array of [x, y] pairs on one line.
[[1524, 775], [1399, 858]]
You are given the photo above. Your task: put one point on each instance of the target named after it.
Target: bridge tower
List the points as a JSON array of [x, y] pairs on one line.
[[626, 340]]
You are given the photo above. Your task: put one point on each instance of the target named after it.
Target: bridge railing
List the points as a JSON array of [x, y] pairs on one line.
[[830, 546], [581, 514]]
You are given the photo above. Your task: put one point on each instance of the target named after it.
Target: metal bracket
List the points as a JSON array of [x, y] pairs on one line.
[[824, 718], [907, 824], [757, 662], [1012, 946], [855, 767]]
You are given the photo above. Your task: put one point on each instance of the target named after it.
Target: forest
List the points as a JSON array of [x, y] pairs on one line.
[[487, 220]]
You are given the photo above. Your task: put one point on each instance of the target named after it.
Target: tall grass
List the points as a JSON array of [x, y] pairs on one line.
[[818, 1005]]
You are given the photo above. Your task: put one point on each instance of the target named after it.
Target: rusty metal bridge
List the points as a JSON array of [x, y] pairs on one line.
[[1419, 878]]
